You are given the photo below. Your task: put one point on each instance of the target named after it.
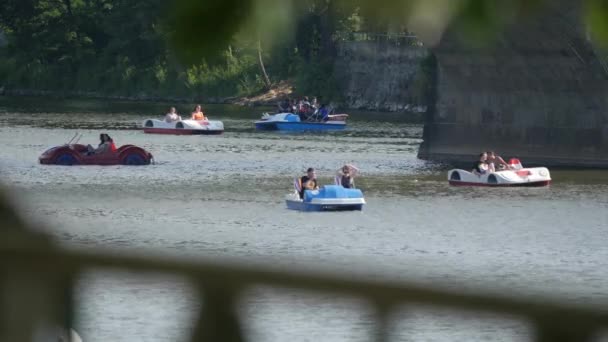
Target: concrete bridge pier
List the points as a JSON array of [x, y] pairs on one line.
[[539, 92]]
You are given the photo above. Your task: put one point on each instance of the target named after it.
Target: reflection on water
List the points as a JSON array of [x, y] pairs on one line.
[[221, 197]]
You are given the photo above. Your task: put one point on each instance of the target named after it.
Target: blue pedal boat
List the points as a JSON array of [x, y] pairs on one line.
[[328, 198], [292, 123]]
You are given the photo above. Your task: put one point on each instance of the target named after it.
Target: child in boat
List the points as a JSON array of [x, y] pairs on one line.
[[308, 181], [197, 114]]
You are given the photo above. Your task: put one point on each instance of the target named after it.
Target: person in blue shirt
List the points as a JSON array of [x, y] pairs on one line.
[[323, 113]]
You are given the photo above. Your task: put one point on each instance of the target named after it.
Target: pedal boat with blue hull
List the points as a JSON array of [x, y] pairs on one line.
[[292, 122], [327, 198]]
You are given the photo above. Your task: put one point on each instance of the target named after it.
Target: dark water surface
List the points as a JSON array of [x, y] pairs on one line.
[[221, 198]]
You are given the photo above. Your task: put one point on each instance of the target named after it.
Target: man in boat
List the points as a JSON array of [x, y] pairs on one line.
[[315, 103], [481, 166], [496, 162], [323, 113], [308, 181], [285, 105], [172, 116]]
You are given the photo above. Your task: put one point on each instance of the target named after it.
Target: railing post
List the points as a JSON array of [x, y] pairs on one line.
[[560, 329], [218, 320], [35, 305], [381, 328]]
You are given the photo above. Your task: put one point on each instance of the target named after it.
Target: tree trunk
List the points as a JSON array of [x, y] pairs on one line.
[[267, 83]]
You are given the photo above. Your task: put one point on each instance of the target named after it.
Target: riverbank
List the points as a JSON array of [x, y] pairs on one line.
[[278, 92], [100, 96], [270, 98]]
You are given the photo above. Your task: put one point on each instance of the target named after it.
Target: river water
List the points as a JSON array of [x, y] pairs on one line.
[[221, 198]]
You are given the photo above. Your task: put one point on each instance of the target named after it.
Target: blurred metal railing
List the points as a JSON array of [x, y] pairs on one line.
[[398, 39], [37, 281]]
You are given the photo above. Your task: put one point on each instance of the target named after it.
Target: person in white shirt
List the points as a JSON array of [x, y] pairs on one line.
[[172, 115]]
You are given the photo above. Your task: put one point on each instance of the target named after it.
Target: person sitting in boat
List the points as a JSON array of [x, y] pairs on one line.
[[197, 114], [172, 116], [306, 102], [315, 103], [106, 145], [346, 175], [293, 108], [285, 106], [305, 110], [308, 181], [299, 109], [481, 166], [323, 113], [496, 162]]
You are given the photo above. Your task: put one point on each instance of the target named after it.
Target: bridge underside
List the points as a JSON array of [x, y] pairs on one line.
[[540, 92]]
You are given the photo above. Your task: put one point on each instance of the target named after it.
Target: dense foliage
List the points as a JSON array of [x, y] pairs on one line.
[[214, 48], [108, 47], [122, 48]]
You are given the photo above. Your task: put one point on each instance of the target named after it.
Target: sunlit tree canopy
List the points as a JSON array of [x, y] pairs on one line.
[[224, 48]]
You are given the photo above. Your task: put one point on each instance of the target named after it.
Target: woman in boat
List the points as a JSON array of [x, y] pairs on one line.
[[197, 114], [106, 144], [346, 175], [481, 167]]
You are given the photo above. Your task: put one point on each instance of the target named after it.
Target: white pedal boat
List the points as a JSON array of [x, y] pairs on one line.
[[515, 176], [328, 198], [183, 127]]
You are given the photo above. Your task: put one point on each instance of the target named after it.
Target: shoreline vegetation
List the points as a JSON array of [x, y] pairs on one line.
[[269, 98], [276, 93], [100, 50]]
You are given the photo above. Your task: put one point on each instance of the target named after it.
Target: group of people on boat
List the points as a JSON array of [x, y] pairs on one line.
[[197, 114], [489, 162], [345, 176], [307, 110]]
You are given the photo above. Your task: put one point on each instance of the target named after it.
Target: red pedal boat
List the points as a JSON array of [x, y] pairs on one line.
[[77, 154]]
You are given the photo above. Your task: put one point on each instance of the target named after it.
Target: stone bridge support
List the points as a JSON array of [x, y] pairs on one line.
[[539, 92]]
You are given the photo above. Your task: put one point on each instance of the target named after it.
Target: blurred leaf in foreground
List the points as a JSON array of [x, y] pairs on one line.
[[204, 29], [596, 16]]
